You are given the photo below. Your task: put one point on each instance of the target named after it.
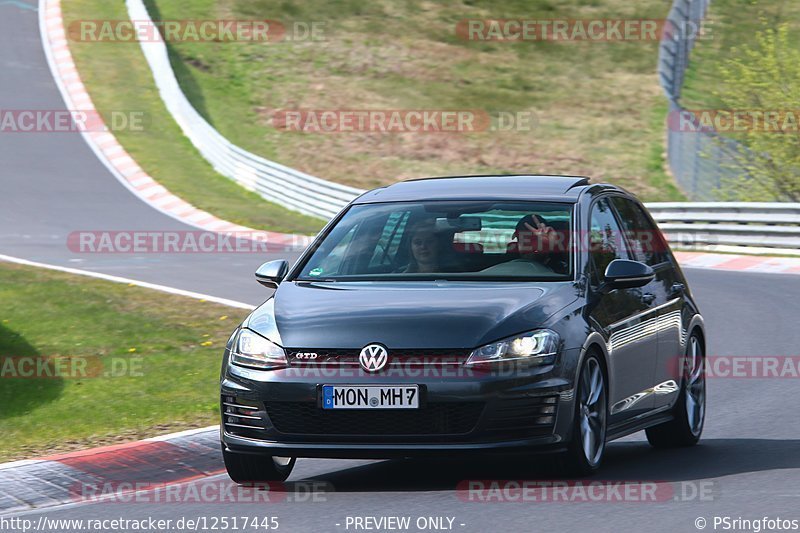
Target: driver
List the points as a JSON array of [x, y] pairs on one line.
[[535, 241], [426, 248]]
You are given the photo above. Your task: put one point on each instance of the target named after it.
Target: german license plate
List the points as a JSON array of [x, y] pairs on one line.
[[370, 396]]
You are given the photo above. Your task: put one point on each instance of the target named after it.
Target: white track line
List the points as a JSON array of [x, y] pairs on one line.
[[24, 462], [117, 279], [179, 434]]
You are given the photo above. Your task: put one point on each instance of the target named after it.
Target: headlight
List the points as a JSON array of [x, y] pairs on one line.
[[538, 347], [254, 351]]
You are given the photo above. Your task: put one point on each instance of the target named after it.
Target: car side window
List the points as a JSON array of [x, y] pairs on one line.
[[606, 242], [643, 236]]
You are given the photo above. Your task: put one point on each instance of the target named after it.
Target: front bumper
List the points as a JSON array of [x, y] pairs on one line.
[[462, 410], [349, 450]]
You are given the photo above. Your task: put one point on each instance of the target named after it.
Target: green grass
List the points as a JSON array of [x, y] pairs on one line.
[[118, 79], [667, 190], [734, 23], [599, 107], [160, 336]]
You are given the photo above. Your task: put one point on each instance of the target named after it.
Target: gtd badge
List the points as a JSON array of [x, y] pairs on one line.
[[373, 357]]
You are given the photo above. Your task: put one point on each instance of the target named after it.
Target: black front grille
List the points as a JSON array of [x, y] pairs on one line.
[[535, 415], [307, 418], [401, 356]]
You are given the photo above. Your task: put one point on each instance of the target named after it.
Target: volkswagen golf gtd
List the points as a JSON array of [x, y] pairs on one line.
[[479, 314]]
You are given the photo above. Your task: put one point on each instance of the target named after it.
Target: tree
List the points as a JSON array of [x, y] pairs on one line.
[[757, 80]]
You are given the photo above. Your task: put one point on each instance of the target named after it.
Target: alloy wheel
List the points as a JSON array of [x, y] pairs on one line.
[[592, 411], [695, 389]]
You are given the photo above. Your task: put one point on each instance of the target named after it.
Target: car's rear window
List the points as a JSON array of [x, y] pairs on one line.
[[484, 240]]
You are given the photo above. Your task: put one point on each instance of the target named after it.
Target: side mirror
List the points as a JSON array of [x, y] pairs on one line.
[[625, 274], [270, 274]]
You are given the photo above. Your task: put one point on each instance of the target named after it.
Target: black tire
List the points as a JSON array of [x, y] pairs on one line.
[[689, 411], [245, 468], [576, 460]]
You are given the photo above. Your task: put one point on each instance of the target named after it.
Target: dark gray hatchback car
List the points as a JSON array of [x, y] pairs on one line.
[[482, 314]]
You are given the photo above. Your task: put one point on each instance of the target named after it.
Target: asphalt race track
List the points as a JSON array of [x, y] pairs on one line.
[[748, 461], [53, 184]]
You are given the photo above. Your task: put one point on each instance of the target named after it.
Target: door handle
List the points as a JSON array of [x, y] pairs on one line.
[[677, 289], [648, 298]]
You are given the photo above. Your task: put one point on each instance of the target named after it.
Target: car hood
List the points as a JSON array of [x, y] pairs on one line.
[[410, 314]]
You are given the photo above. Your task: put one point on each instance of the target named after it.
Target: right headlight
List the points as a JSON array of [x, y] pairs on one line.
[[254, 351], [538, 347]]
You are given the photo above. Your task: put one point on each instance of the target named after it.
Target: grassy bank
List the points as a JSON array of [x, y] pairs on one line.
[[597, 105], [123, 362]]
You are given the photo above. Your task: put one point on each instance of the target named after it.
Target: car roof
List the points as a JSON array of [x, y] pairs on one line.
[[513, 187]]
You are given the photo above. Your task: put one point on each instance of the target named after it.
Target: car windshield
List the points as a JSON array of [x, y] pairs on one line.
[[446, 240]]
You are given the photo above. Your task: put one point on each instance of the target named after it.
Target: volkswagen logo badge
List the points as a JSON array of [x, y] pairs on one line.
[[373, 357]]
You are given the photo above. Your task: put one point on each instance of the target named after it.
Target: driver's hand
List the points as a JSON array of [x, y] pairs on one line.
[[538, 238], [541, 228]]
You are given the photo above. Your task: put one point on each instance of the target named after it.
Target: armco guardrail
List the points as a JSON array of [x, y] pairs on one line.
[[755, 227], [277, 183]]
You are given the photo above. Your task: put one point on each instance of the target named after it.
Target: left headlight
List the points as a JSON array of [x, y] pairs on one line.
[[254, 351], [538, 347]]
